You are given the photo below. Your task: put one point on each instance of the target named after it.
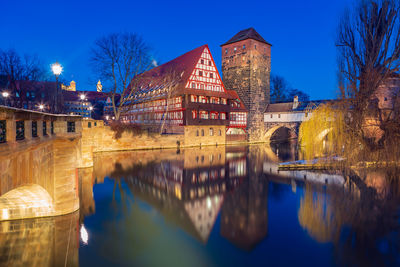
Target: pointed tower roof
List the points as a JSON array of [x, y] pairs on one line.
[[249, 33]]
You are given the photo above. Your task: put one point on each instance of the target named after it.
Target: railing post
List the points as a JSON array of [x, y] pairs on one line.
[[11, 129], [28, 129]]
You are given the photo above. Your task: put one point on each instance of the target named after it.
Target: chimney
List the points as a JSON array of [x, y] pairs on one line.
[[295, 102]]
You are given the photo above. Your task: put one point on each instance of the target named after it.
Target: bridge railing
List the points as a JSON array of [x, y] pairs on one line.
[[19, 125]]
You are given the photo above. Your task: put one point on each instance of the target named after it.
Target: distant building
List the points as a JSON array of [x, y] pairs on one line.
[[94, 104], [32, 95], [186, 91], [70, 87]]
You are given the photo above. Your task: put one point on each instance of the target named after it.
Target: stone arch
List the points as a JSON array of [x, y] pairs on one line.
[[323, 134], [27, 201], [271, 131]]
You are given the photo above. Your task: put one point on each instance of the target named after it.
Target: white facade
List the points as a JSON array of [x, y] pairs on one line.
[[286, 116]]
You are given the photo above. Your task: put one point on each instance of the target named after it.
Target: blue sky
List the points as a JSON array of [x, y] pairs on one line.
[[302, 33]]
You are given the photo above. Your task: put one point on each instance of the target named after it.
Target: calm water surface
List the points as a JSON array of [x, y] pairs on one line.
[[219, 206]]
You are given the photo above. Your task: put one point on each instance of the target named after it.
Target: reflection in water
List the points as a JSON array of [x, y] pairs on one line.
[[40, 242], [168, 208]]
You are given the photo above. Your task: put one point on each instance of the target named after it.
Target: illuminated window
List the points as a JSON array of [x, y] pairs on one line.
[[234, 49], [223, 101], [203, 114], [193, 98], [226, 51], [223, 116], [244, 46], [194, 114], [211, 131], [203, 99]]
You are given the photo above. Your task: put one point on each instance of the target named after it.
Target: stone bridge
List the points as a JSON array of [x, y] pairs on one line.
[[39, 157], [282, 120], [280, 131]]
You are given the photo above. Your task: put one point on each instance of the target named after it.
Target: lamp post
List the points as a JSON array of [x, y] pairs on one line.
[[5, 96], [82, 97], [90, 109], [41, 107], [56, 69]]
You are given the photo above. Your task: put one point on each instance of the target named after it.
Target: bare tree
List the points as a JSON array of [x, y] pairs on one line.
[[117, 59], [279, 88], [368, 45], [17, 68], [170, 84]]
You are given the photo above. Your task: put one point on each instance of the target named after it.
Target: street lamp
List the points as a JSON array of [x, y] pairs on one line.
[[56, 68], [5, 96], [41, 107], [82, 97], [90, 109]]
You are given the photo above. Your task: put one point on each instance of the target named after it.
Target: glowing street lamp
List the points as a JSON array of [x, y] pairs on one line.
[[5, 95], [90, 109], [41, 107], [56, 68], [82, 97]]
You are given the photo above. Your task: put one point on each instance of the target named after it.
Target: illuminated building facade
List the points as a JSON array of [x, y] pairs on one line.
[[186, 91]]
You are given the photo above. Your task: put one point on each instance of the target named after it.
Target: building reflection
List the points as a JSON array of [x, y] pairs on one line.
[[191, 187], [40, 242]]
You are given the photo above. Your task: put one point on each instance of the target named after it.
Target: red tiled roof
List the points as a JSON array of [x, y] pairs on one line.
[[181, 66], [249, 33], [180, 69]]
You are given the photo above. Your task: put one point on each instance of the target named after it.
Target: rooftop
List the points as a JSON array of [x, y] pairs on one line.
[[249, 33]]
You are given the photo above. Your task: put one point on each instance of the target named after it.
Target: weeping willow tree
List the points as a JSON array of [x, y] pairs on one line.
[[324, 133]]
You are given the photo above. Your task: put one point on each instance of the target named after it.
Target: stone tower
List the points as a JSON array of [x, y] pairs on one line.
[[246, 68]]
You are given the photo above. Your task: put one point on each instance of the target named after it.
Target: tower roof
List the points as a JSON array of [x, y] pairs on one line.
[[249, 33]]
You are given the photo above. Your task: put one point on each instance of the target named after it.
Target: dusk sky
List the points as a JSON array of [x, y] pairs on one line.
[[302, 33]]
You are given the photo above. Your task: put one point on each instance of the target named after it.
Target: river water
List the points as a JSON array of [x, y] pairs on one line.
[[215, 206]]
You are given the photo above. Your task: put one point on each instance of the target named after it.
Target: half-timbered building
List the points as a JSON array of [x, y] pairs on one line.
[[186, 91]]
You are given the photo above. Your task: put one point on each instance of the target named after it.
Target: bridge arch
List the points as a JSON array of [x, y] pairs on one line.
[[287, 132], [27, 201]]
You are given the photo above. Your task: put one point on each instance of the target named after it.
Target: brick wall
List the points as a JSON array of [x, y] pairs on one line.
[[247, 71]]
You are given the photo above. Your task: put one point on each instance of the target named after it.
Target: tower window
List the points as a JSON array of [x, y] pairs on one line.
[[226, 51], [234, 49], [244, 46]]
